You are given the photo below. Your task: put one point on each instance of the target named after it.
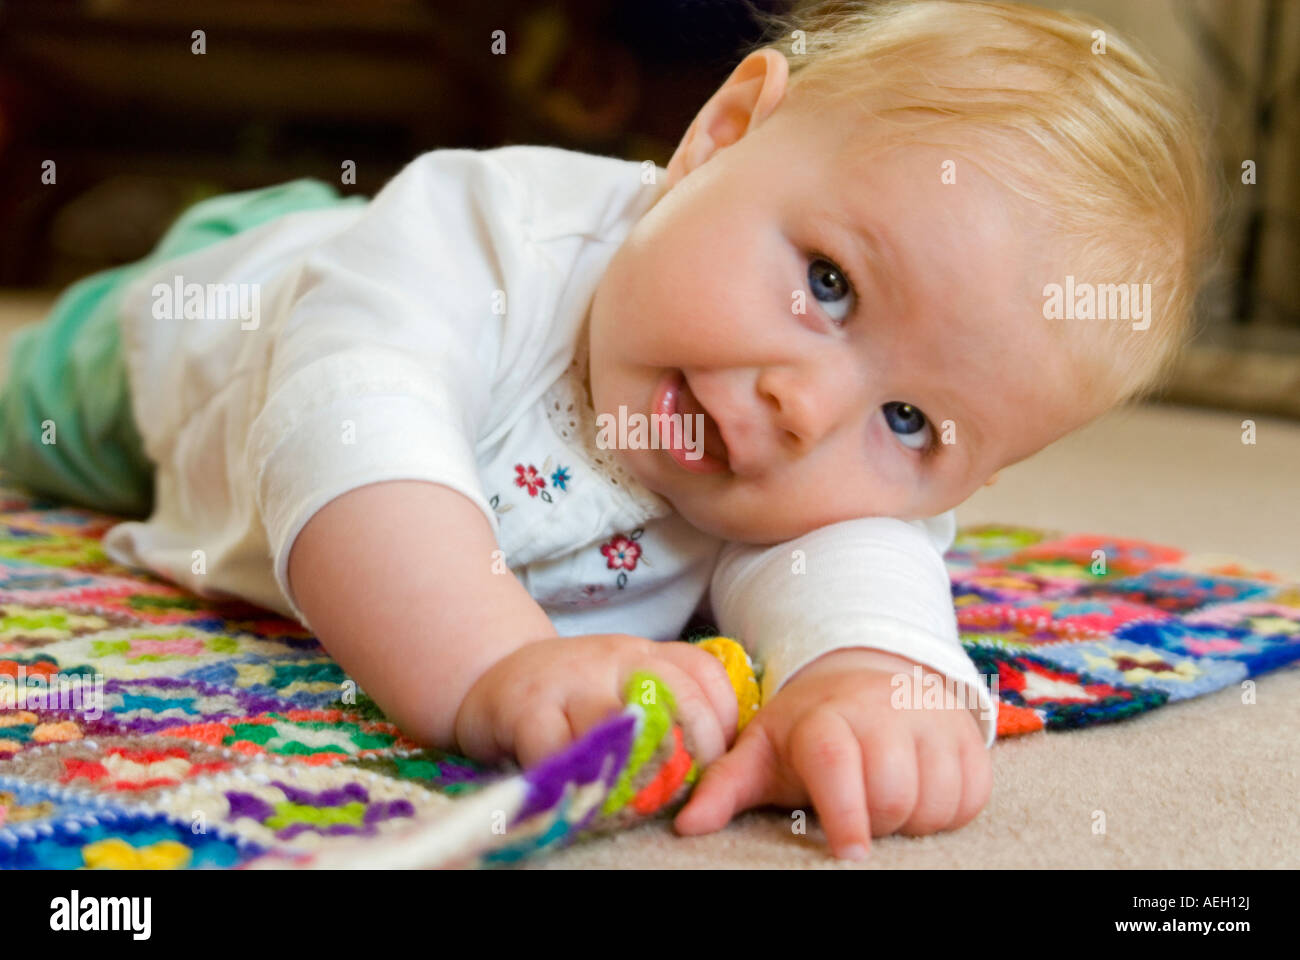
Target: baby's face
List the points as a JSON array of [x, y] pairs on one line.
[[863, 338]]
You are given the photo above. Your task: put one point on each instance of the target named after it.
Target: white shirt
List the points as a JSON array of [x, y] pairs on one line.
[[436, 333]]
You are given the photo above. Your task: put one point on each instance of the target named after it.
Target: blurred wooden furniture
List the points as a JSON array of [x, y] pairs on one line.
[[115, 93]]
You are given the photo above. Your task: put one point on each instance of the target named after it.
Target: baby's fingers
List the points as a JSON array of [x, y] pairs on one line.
[[939, 789], [541, 733], [545, 732], [711, 675], [695, 712], [891, 779], [977, 779], [825, 754], [737, 781]]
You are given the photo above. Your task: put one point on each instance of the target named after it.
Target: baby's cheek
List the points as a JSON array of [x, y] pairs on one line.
[[888, 464], [866, 476]]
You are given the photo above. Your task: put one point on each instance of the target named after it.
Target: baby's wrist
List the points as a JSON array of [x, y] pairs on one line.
[[483, 689], [856, 658]]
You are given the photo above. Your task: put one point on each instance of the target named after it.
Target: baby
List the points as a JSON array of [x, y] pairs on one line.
[[391, 419]]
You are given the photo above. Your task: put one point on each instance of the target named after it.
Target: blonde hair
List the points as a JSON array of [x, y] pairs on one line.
[[1110, 152]]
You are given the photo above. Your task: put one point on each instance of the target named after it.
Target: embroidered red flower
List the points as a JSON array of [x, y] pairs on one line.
[[529, 478], [621, 553]]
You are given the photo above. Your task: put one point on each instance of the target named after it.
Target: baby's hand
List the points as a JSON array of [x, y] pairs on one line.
[[550, 692], [832, 736]]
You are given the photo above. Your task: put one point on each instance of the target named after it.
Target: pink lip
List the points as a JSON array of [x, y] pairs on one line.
[[664, 402]]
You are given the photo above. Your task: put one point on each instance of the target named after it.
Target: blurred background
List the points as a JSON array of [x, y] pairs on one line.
[[139, 125]]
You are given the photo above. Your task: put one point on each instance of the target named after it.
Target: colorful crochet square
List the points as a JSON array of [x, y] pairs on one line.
[[144, 727]]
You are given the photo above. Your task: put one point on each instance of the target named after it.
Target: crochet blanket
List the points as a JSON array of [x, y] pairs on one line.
[[143, 726]]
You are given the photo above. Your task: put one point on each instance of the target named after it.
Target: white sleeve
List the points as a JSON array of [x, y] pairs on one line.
[[874, 582], [380, 369]]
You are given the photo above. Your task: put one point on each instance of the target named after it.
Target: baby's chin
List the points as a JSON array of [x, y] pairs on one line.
[[735, 530], [764, 527], [717, 518], [717, 512]]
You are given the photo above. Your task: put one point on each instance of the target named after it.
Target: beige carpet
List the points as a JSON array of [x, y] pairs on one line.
[[1207, 783]]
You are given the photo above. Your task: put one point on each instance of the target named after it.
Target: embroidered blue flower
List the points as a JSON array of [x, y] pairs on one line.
[[560, 478]]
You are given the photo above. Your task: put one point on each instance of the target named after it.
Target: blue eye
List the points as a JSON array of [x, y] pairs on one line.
[[831, 288], [908, 424]]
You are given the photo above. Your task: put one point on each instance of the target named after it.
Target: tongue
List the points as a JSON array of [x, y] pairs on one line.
[[688, 406]]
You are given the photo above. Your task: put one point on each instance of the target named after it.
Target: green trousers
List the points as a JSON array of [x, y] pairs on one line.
[[66, 428]]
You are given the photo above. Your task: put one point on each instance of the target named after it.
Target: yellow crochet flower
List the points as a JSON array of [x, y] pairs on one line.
[[740, 670]]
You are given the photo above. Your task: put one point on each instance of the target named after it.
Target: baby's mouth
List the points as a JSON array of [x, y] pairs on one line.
[[707, 451]]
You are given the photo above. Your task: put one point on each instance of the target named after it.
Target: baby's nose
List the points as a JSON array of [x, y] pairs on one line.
[[807, 406]]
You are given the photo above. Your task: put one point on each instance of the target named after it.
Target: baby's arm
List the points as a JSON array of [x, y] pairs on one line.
[[399, 582], [836, 618], [396, 579], [874, 582]]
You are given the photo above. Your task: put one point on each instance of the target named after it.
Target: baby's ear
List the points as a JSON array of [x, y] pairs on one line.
[[746, 99]]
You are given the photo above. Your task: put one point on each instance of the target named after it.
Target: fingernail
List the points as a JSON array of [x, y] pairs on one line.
[[855, 852]]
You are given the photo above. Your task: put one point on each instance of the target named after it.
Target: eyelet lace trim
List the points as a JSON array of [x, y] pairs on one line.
[[573, 418]]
